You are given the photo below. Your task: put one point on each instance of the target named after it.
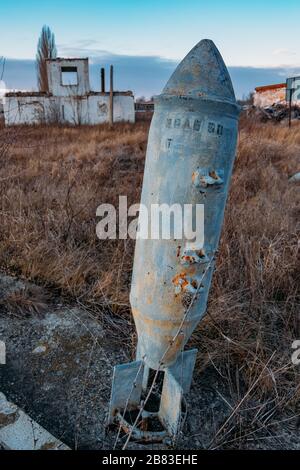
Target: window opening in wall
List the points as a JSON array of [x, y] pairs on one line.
[[69, 76]]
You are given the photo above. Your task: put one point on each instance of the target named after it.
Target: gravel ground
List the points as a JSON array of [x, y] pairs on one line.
[[59, 368]]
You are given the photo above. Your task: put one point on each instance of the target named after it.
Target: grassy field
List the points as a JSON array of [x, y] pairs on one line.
[[53, 178]]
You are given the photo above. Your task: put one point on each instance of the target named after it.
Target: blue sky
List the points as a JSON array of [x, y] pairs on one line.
[[262, 35]]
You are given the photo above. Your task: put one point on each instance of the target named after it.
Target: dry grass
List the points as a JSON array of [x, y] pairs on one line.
[[25, 301], [52, 179], [253, 314]]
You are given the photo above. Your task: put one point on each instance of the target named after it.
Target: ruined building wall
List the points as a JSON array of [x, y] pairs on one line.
[[269, 97], [69, 100], [56, 85], [90, 109], [22, 110]]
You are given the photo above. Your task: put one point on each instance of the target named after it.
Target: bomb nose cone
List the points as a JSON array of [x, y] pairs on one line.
[[202, 73]]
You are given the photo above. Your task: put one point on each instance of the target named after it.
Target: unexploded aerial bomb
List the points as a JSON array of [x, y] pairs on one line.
[[190, 154]]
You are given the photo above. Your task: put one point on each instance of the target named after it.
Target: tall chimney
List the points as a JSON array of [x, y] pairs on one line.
[[102, 80]]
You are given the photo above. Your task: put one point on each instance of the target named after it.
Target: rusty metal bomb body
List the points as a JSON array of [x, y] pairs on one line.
[[190, 154]]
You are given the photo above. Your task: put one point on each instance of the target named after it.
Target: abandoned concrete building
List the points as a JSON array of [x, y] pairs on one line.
[[270, 95], [69, 100]]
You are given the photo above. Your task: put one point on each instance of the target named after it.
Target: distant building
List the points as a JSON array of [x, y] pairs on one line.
[[70, 99], [269, 95], [144, 110], [144, 106]]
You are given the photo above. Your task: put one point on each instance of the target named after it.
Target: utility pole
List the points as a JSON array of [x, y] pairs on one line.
[[111, 96], [290, 106], [289, 96]]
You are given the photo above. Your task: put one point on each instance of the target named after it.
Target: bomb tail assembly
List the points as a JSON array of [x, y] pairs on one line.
[[189, 160]]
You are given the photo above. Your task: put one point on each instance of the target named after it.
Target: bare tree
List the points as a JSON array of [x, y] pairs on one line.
[[46, 49]]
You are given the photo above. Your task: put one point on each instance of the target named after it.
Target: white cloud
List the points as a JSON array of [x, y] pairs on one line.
[[283, 51]]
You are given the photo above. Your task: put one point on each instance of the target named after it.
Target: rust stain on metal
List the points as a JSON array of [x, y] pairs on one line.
[[180, 280], [183, 282], [175, 346], [189, 259], [213, 175], [158, 323]]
